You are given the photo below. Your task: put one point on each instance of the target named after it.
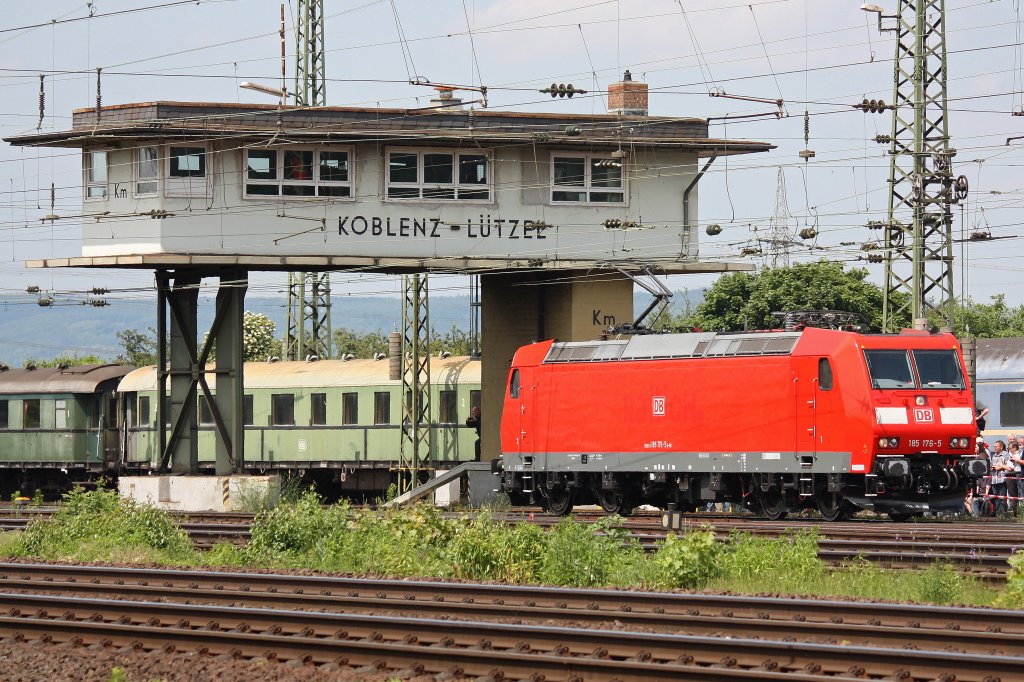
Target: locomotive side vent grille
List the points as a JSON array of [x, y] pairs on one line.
[[673, 346]]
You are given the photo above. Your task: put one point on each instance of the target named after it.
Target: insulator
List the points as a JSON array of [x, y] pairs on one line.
[[713, 229], [553, 90], [99, 291], [807, 127], [45, 301], [883, 139], [42, 100], [962, 187], [572, 131], [98, 303], [875, 258], [613, 223], [808, 233], [32, 289], [99, 92]]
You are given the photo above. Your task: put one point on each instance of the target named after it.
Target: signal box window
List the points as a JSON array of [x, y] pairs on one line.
[[1011, 409], [349, 408], [298, 173], [96, 175], [143, 411], [587, 179], [889, 369], [824, 374], [146, 170], [438, 175], [5, 415], [282, 409], [319, 409], [513, 384], [248, 416], [448, 409], [187, 162], [60, 412], [30, 414], [382, 407]]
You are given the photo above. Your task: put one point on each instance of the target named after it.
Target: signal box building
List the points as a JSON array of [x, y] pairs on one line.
[[530, 201]]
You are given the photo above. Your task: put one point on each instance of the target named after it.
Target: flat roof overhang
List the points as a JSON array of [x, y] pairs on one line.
[[253, 123], [482, 266]]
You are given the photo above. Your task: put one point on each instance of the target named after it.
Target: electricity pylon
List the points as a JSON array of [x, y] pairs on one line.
[[919, 228], [414, 451], [309, 293]]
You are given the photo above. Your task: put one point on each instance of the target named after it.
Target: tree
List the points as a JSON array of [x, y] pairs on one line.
[[987, 320], [746, 301], [258, 339], [66, 360], [359, 345], [139, 348]]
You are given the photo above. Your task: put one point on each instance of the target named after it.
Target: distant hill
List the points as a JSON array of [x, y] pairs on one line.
[[30, 331]]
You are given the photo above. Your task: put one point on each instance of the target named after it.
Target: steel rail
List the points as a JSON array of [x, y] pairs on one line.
[[246, 627]]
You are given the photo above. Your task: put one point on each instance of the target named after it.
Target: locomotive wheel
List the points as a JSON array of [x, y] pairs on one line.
[[773, 505], [559, 502], [614, 503], [833, 507]]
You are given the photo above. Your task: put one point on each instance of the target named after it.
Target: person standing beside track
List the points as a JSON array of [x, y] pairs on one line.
[[999, 464], [977, 502], [1015, 483]]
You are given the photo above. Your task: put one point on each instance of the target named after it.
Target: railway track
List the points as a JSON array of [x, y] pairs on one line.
[[519, 632]]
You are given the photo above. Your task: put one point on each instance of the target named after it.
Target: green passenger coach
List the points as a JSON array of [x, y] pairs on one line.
[[336, 421], [58, 425]]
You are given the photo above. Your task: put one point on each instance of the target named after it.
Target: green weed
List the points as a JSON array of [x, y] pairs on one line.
[[688, 561]]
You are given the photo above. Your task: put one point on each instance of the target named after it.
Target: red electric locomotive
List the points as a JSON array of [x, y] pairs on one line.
[[775, 421]]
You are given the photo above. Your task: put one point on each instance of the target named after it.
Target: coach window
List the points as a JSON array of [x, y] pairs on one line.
[[1011, 409], [5, 415], [382, 407], [143, 411], [438, 175], [474, 400], [60, 412], [824, 374], [282, 409], [30, 414], [513, 384], [349, 408], [96, 175], [146, 170], [205, 413], [318, 415], [248, 415], [448, 413], [587, 179]]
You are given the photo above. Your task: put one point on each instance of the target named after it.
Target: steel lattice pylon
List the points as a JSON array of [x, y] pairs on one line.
[[309, 316], [414, 453], [309, 293], [919, 229]]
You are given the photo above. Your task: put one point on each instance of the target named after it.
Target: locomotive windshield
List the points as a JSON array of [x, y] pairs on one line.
[[938, 369], [893, 369]]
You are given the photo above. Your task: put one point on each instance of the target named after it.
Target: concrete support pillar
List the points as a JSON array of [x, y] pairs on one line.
[[520, 308]]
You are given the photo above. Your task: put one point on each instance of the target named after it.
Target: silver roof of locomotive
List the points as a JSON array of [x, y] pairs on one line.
[[667, 346]]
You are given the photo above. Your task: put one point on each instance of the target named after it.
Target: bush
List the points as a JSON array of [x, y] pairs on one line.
[[1013, 596], [485, 550], [940, 583], [688, 561], [99, 524], [583, 555], [793, 557]]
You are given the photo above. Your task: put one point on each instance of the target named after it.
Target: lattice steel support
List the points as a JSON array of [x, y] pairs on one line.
[[309, 316], [309, 293], [414, 453], [919, 229]]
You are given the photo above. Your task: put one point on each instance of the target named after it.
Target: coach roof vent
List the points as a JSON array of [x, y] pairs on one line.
[[627, 97]]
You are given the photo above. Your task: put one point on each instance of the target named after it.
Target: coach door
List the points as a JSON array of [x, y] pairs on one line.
[[806, 409]]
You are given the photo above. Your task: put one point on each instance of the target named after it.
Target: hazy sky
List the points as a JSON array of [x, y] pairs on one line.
[[819, 55]]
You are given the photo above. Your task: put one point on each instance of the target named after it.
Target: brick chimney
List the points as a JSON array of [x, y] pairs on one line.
[[627, 97]]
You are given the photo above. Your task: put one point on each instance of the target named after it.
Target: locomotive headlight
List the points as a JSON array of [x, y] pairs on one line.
[[893, 442], [888, 442], [920, 400], [883, 442]]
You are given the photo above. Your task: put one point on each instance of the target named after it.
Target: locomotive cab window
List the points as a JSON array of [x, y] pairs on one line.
[[889, 369], [824, 374], [513, 384], [938, 369]]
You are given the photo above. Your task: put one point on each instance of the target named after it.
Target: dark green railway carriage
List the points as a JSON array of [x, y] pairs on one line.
[[338, 421], [58, 425]]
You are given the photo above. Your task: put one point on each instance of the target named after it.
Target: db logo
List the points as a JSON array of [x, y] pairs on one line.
[[923, 414], [658, 406]]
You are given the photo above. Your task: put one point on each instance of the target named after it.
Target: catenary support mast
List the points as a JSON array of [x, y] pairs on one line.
[[414, 453], [309, 293], [919, 227]]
